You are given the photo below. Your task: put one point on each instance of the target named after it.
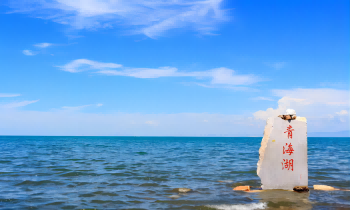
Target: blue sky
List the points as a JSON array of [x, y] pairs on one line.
[[180, 68]]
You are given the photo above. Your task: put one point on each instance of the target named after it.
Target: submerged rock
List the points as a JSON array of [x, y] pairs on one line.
[[174, 196], [182, 190], [226, 181]]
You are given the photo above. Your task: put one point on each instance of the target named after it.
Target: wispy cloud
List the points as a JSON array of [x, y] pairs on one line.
[[342, 116], [61, 122], [314, 103], [230, 87], [327, 96], [79, 64], [342, 112], [77, 108], [29, 52], [43, 45], [218, 76], [149, 17], [8, 95], [18, 104], [263, 98], [338, 85], [74, 36], [276, 65], [150, 122]]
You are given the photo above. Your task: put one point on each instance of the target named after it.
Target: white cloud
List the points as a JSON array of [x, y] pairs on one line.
[[325, 96], [317, 105], [342, 112], [99, 105], [8, 95], [18, 104], [276, 65], [149, 17], [28, 52], [283, 104], [77, 65], [227, 76], [218, 76], [43, 45], [342, 116], [142, 72], [263, 98], [311, 102]]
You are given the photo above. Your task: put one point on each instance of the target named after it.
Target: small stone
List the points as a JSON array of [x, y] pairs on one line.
[[242, 188], [301, 189], [287, 117], [324, 187], [182, 190]]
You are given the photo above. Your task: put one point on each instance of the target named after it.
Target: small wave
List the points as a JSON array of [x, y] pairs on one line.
[[240, 206], [38, 183], [226, 181]]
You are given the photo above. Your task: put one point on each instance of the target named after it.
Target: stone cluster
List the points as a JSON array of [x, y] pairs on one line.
[[288, 117]]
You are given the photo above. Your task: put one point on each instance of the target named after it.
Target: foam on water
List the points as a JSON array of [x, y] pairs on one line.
[[250, 206]]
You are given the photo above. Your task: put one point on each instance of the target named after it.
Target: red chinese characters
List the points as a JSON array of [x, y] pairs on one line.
[[289, 150], [287, 164], [289, 130]]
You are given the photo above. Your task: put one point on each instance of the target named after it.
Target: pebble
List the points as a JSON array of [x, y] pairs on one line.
[[242, 188], [301, 189]]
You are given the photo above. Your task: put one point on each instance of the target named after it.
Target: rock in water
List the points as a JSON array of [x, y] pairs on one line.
[[283, 154], [324, 187], [182, 190], [174, 196], [242, 188], [301, 189]]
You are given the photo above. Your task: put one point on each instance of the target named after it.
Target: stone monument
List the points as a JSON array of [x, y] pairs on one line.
[[283, 153]]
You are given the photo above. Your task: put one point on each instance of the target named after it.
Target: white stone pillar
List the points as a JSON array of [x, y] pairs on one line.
[[283, 153]]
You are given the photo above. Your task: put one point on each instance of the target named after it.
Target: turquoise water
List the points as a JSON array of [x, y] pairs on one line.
[[142, 173]]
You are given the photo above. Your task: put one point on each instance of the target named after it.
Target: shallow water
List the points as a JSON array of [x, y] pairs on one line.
[[141, 173]]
